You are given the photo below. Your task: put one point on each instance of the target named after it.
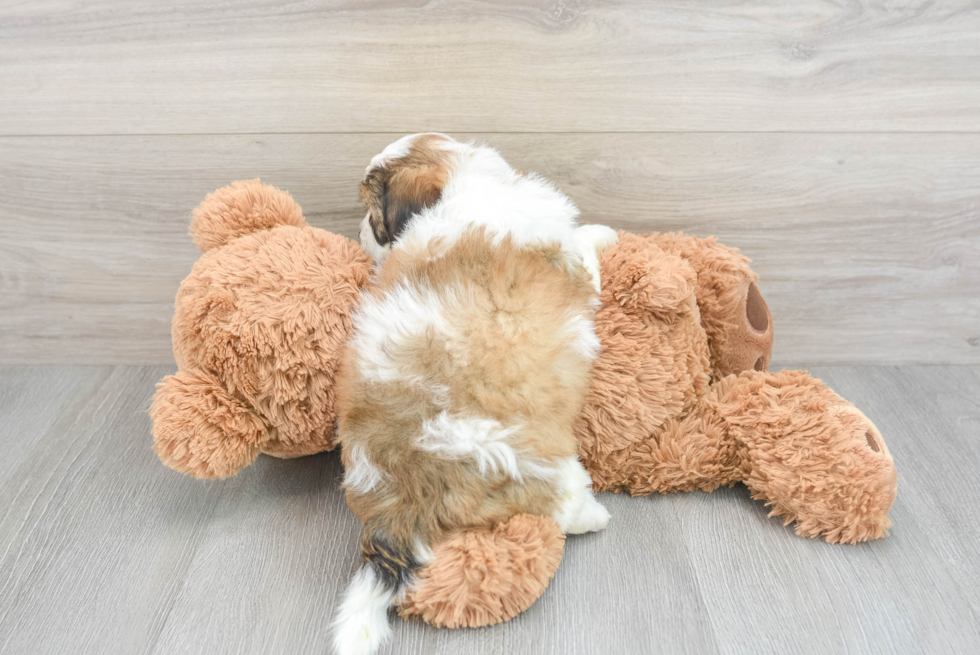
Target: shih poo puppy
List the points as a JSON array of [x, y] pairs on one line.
[[469, 362]]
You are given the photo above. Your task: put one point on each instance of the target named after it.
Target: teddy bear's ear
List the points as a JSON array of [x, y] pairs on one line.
[[240, 209], [643, 277], [201, 430]]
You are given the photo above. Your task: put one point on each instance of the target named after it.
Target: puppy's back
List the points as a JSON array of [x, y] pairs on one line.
[[458, 393]]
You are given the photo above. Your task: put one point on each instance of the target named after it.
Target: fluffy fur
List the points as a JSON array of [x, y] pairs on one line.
[[361, 626], [469, 362], [257, 332], [698, 415], [505, 570], [676, 405]]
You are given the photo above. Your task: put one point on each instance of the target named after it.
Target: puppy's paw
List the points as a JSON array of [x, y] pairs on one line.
[[592, 517], [580, 511], [591, 241]]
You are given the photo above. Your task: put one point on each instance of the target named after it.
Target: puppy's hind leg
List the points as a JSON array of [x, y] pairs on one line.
[[578, 511]]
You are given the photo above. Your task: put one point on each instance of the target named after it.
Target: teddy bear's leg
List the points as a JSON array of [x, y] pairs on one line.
[[693, 453], [810, 455], [199, 429], [484, 577]]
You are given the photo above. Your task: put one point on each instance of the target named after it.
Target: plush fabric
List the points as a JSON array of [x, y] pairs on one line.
[[482, 577], [677, 405], [258, 328], [734, 315], [200, 429], [680, 400], [242, 208]]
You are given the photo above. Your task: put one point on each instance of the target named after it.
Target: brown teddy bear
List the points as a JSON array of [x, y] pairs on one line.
[[257, 333], [681, 398]]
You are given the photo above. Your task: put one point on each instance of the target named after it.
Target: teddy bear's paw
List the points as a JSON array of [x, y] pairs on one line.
[[815, 459], [199, 429], [868, 484]]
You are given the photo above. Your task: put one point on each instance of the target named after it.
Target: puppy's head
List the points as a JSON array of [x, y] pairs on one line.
[[408, 176]]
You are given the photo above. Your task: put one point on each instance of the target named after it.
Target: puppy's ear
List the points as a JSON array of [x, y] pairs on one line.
[[403, 187], [373, 195]]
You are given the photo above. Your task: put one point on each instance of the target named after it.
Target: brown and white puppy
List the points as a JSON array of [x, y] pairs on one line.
[[468, 366]]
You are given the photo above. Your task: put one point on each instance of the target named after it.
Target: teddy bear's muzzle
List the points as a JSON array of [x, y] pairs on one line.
[[749, 343]]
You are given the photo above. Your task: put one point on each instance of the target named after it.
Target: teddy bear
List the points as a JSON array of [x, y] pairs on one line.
[[681, 398], [258, 328]]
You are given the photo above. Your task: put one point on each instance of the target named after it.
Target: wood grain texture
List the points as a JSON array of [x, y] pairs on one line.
[[124, 66], [95, 535], [908, 593], [102, 549], [868, 245]]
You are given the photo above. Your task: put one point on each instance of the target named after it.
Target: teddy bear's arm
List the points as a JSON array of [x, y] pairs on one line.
[[201, 430]]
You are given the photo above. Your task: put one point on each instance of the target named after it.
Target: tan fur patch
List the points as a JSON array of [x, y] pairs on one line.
[[503, 356]]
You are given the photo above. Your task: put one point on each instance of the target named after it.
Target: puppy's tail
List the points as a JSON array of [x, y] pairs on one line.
[[361, 626]]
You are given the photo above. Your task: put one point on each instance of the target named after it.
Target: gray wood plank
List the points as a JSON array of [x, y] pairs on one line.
[[31, 400], [766, 589], [934, 414], [868, 245], [131, 557], [270, 565], [119, 66], [96, 534], [277, 557]]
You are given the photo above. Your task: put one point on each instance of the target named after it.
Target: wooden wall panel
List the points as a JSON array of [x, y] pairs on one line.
[[868, 245], [261, 66]]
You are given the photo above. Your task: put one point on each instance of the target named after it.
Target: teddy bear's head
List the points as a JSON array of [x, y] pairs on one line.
[[677, 313], [257, 332]]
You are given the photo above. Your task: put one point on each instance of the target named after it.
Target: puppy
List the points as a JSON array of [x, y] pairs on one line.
[[469, 363]]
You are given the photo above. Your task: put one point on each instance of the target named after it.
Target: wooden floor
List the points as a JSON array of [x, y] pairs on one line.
[[103, 550]]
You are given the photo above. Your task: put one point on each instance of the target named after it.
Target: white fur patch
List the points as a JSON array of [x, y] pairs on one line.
[[579, 331], [384, 326], [394, 150], [484, 440], [579, 511], [400, 148], [361, 626], [423, 554], [483, 190], [591, 241], [361, 476]]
